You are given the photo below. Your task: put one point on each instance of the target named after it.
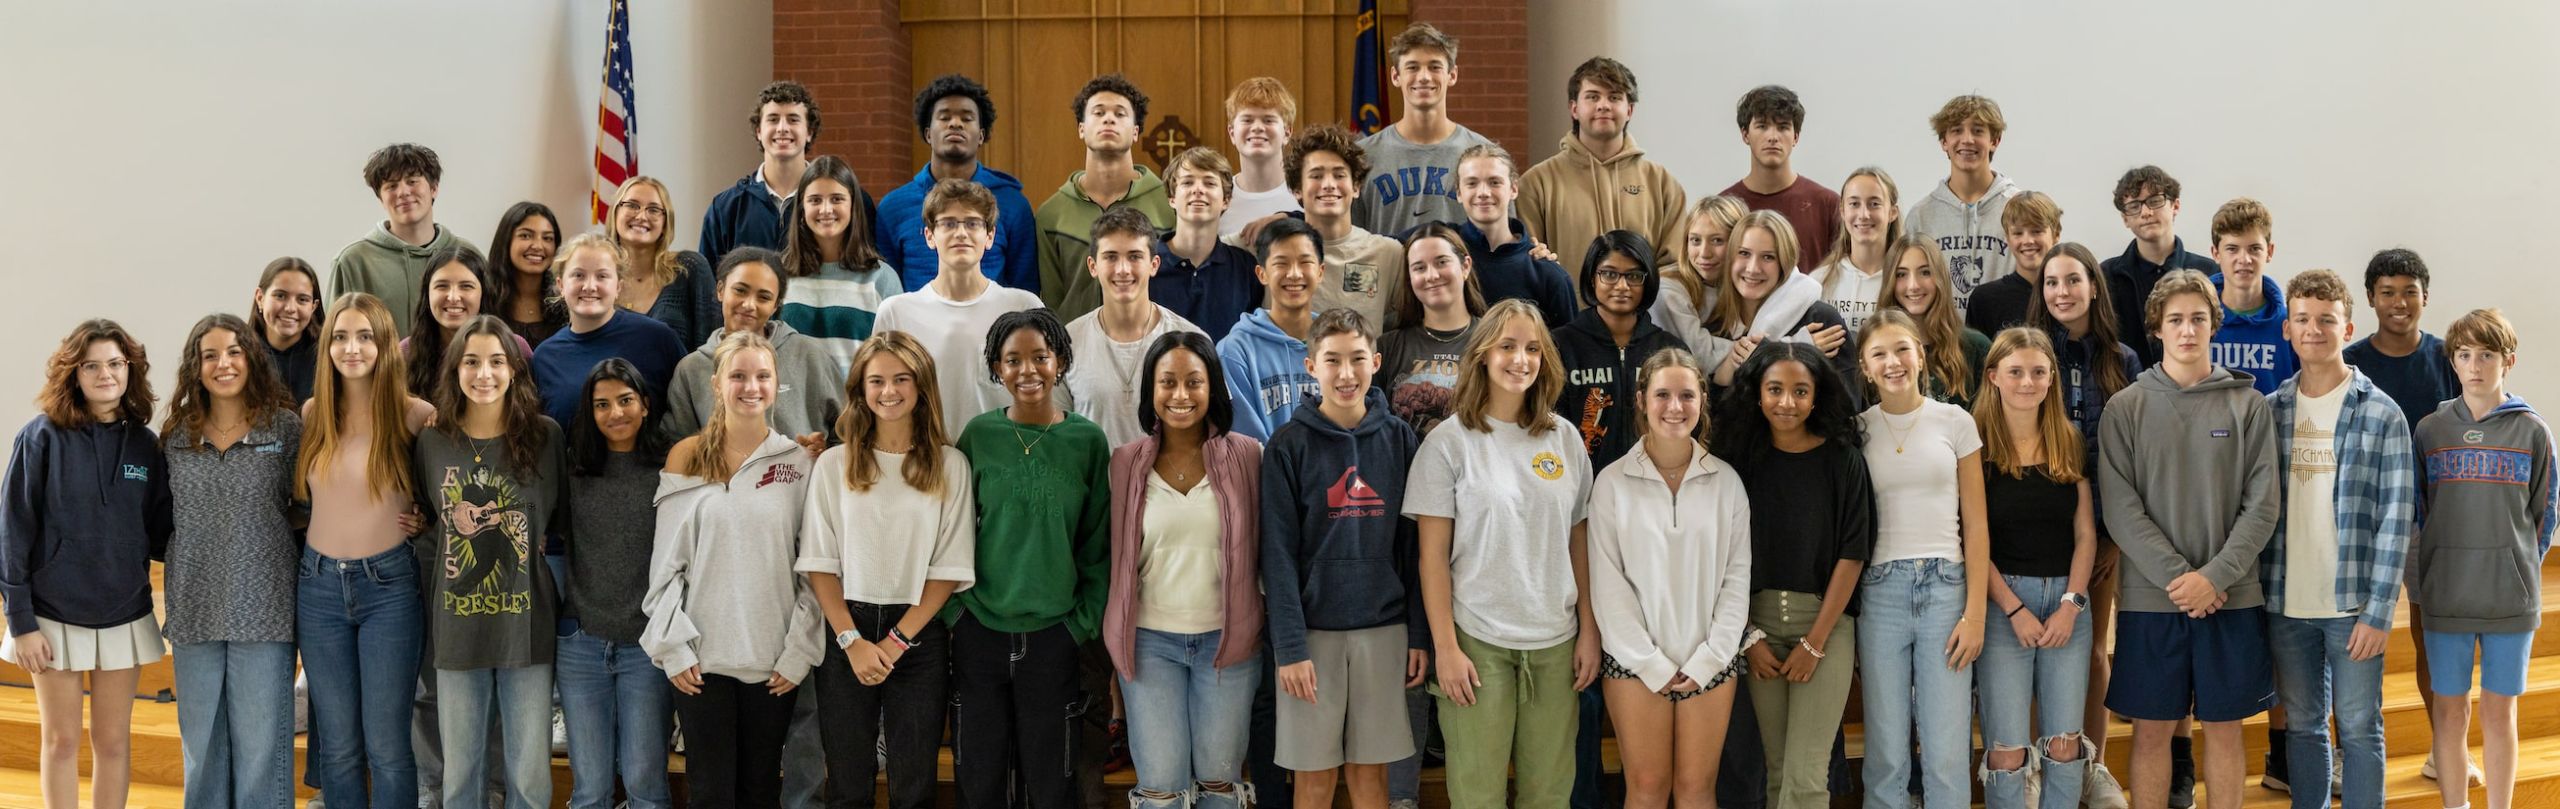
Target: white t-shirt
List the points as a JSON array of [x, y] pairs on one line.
[[1103, 383], [1911, 460], [1251, 205], [1515, 498], [1853, 292], [955, 333], [885, 543], [2311, 508], [1179, 561]]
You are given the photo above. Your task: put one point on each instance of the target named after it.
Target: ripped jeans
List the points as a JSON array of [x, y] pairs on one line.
[[1187, 721], [2050, 686]]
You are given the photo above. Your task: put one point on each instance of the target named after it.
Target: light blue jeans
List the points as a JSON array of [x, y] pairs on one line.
[[2314, 677], [1908, 608], [1187, 721], [519, 701], [235, 723], [2039, 688], [618, 708]]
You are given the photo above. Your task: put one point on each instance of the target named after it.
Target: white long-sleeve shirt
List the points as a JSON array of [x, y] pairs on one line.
[[1671, 572]]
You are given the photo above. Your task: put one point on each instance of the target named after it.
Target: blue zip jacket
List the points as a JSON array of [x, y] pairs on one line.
[[1012, 261]]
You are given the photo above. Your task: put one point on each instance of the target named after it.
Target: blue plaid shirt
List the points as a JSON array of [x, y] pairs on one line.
[[2377, 500]]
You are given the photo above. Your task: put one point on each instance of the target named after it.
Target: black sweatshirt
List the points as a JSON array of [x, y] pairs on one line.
[[88, 510]]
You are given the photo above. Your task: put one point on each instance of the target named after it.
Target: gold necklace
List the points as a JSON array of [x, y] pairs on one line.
[[476, 447], [1901, 435], [1026, 447]]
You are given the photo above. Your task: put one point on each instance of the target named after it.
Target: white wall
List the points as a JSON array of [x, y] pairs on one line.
[[2361, 124], [156, 155]]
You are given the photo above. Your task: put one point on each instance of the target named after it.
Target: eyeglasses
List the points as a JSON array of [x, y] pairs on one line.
[[94, 368], [654, 211], [2152, 203], [966, 225], [1633, 279]]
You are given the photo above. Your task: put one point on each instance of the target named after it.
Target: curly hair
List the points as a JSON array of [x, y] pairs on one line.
[[1741, 431], [951, 85], [2400, 262], [1041, 321], [1116, 84], [1963, 108], [262, 390], [2141, 177], [1771, 103], [785, 92], [1325, 138], [66, 405], [400, 161]]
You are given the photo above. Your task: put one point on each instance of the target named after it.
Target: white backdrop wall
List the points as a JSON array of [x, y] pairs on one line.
[[2362, 124], [154, 156]]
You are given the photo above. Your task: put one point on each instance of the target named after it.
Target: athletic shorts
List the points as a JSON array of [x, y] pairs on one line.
[[2502, 657], [1359, 713], [2169, 666]]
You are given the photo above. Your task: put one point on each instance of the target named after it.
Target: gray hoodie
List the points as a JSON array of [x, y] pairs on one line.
[[722, 594], [2187, 478], [809, 384], [2487, 518], [1977, 247]]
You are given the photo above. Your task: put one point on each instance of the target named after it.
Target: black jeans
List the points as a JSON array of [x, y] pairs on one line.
[[733, 734], [1271, 785], [1019, 702], [908, 706]]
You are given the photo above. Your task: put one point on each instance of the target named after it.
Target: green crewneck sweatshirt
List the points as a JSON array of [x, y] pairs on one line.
[[1044, 513]]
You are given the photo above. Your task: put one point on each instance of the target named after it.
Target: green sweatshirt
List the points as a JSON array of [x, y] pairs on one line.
[[385, 267], [1044, 514], [1066, 239]]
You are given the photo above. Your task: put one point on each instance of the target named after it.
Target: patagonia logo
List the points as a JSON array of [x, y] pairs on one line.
[[2474, 436], [137, 472], [2220, 433]]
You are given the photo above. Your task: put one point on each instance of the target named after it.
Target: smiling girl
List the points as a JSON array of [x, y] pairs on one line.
[[666, 283], [1918, 287], [286, 315], [614, 703], [1437, 299], [521, 287]]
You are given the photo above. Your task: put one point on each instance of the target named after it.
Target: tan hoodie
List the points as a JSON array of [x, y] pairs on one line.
[[1575, 196]]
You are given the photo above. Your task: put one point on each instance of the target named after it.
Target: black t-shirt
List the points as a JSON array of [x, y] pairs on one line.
[[1998, 305], [1418, 368], [2030, 521], [1809, 510]]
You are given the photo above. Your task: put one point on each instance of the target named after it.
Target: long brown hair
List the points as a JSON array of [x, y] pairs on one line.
[[1941, 332], [704, 461], [262, 392], [61, 399], [267, 278], [801, 254], [860, 428], [2054, 430], [1721, 212], [520, 408], [1475, 384], [387, 461], [1400, 299], [2106, 365], [1726, 318]]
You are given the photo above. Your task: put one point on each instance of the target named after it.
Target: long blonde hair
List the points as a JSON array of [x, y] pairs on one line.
[[860, 428], [1675, 358], [386, 468], [662, 271], [1722, 212], [1475, 383], [2062, 453], [1940, 331], [1726, 318], [704, 461], [1840, 244]]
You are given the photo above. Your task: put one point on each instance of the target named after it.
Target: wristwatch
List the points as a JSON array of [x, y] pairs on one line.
[[2077, 600], [847, 637]]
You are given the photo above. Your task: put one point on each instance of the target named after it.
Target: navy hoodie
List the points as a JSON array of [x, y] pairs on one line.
[[1508, 272], [1600, 376], [88, 510], [1337, 554], [2254, 343]]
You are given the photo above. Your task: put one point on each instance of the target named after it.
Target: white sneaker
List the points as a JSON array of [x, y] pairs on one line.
[[2099, 790], [2428, 770], [559, 733]]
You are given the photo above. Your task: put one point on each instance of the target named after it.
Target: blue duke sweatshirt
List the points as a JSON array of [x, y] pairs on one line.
[[2253, 342], [1337, 552]]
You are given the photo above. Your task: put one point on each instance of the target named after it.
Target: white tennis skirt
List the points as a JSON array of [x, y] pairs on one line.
[[79, 648]]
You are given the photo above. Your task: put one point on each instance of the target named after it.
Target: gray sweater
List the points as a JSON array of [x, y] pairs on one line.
[[809, 384], [2487, 518], [613, 520], [722, 594], [2187, 478]]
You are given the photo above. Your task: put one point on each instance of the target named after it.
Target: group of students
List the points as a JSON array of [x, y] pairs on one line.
[[1285, 472]]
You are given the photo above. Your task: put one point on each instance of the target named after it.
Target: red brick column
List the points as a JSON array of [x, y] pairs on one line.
[[1492, 96], [853, 55]]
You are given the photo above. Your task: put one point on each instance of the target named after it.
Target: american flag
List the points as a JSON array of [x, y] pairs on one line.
[[617, 124]]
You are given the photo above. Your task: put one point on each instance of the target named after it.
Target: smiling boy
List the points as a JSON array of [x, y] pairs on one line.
[[749, 214], [1413, 176], [1113, 340], [1327, 168], [1266, 351], [1965, 212], [1206, 281], [389, 261]]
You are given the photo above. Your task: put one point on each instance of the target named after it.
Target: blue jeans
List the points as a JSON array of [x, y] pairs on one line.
[[519, 701], [618, 708], [2313, 678], [235, 723], [1187, 720], [2047, 686], [360, 623], [1910, 607]]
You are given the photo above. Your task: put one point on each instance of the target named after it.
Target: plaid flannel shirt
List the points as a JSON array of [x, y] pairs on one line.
[[2377, 500]]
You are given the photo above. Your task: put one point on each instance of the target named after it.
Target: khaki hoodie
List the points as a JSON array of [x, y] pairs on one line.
[[1571, 198]]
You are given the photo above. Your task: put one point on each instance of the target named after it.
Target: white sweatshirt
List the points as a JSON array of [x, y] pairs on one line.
[[722, 594], [1671, 573]]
